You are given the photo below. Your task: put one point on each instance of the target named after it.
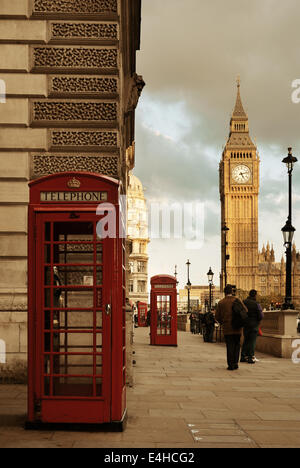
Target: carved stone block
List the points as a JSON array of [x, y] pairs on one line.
[[74, 58], [45, 164], [81, 32], [75, 6], [83, 85], [70, 112], [91, 140]]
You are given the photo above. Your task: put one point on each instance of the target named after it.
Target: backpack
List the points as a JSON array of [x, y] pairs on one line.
[[239, 315]]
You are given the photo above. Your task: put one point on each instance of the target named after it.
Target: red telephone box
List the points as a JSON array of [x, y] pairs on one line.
[[163, 310], [142, 314], [76, 297]]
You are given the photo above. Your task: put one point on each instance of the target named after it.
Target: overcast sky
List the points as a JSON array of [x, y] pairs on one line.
[[191, 54]]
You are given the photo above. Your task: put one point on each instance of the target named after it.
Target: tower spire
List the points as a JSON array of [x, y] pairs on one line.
[[239, 111]]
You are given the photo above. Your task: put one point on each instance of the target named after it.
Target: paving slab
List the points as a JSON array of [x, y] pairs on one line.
[[183, 397], [278, 438], [278, 415], [207, 403], [283, 427]]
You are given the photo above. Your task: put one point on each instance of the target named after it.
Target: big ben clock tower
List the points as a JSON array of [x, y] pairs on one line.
[[239, 190]]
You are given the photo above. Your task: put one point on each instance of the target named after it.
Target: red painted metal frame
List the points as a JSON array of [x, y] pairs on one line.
[[163, 286], [142, 314], [111, 406]]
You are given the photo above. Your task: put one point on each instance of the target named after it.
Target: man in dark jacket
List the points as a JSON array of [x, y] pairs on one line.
[[193, 323], [148, 320], [232, 336], [208, 327], [255, 316]]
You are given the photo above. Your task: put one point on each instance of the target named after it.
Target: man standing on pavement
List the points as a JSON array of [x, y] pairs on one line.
[[209, 326], [255, 316], [232, 336]]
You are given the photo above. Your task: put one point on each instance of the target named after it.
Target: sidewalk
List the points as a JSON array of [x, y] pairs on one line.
[[184, 397]]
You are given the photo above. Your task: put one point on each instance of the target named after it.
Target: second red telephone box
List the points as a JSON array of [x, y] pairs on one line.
[[142, 314], [163, 310]]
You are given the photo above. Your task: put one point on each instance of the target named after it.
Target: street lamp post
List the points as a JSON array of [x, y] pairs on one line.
[[210, 276], [189, 285], [225, 230], [288, 232], [176, 274]]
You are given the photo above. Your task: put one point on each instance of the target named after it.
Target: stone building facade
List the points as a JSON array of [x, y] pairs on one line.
[[139, 240], [271, 275], [69, 90]]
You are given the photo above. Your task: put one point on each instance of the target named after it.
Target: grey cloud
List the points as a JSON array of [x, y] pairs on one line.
[[172, 171], [196, 49]]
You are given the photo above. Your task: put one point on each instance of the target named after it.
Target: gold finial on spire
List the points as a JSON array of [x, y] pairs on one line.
[[238, 81]]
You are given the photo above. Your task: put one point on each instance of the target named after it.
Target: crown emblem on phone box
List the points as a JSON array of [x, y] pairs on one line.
[[74, 183]]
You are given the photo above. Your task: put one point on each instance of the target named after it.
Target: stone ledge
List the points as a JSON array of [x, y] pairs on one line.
[[276, 345]]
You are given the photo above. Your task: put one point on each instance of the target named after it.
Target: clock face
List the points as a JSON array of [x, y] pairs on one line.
[[241, 174]]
